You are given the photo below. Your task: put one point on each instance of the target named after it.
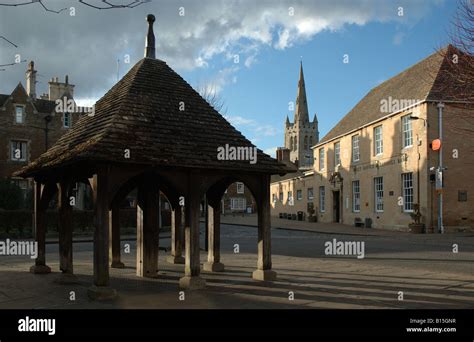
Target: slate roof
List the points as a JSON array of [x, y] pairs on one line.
[[44, 106], [3, 98], [142, 113], [278, 178], [422, 81], [41, 105]]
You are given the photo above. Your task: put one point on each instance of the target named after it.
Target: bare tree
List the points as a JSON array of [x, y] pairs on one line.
[[100, 5], [210, 94], [8, 41], [455, 80]]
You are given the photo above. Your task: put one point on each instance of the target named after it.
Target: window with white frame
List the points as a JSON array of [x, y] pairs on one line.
[[281, 196], [274, 198], [407, 187], [299, 195], [18, 150], [356, 196], [322, 199], [378, 189], [337, 154], [240, 187], [321, 159], [290, 198], [378, 140], [67, 120], [238, 203], [19, 114], [310, 193], [355, 148], [407, 132]]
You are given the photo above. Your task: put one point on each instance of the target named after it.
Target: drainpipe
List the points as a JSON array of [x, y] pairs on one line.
[[440, 168]]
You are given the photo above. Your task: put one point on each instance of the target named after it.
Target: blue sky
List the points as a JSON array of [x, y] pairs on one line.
[[257, 98], [269, 36]]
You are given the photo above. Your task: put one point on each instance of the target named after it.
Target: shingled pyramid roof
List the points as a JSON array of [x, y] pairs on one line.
[[427, 80], [142, 113]]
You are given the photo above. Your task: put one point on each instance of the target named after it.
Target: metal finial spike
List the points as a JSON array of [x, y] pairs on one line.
[[150, 38]]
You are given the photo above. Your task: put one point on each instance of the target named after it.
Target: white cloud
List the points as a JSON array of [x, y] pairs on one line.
[[283, 39], [240, 121], [267, 130], [215, 84], [398, 38], [88, 45]]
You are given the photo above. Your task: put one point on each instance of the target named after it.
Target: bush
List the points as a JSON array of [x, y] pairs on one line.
[[11, 196]]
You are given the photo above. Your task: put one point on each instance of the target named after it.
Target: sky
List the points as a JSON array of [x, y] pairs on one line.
[[247, 52]]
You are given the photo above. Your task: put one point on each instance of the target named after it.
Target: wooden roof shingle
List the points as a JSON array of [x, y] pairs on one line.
[[160, 119]]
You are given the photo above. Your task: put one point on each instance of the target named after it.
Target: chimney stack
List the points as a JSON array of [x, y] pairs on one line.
[[31, 80], [150, 38], [283, 154], [58, 89]]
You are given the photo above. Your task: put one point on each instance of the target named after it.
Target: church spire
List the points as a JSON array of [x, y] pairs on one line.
[[301, 109]]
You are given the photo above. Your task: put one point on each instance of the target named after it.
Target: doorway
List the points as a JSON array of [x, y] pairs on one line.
[[336, 200]]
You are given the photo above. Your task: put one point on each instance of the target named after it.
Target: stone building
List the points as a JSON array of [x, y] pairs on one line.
[[302, 133], [30, 124], [377, 162], [238, 199]]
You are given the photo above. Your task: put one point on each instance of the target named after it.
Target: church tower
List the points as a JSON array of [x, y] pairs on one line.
[[302, 133]]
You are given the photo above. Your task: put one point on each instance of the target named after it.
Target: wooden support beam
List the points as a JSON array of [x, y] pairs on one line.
[[264, 263], [192, 279], [101, 290], [148, 222], [176, 256], [39, 229], [114, 236], [213, 263]]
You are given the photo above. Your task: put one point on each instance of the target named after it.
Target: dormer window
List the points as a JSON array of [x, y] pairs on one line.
[[19, 114], [67, 120]]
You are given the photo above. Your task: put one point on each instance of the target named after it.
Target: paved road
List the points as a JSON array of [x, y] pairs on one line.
[[423, 267]]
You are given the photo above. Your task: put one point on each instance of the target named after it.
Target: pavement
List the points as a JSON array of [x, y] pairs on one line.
[[421, 267], [319, 227]]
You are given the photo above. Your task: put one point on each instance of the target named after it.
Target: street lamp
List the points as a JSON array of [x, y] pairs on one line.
[[412, 117]]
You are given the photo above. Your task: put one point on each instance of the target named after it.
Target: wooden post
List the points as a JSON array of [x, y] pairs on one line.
[[264, 263], [191, 279], [148, 228], [40, 266], [114, 236], [101, 290], [65, 233], [176, 235], [213, 263]]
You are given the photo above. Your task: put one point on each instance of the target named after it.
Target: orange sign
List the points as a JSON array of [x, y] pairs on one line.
[[436, 144]]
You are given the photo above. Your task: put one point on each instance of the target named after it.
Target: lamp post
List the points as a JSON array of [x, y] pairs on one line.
[[439, 170]]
